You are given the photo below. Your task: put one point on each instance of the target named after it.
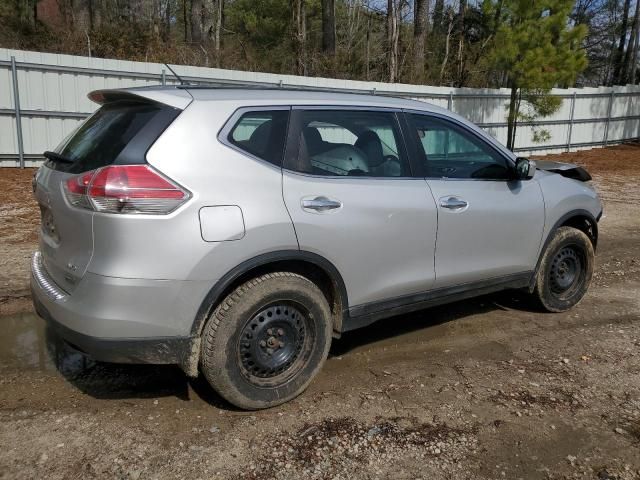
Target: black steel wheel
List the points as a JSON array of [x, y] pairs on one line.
[[565, 270], [264, 343], [275, 343]]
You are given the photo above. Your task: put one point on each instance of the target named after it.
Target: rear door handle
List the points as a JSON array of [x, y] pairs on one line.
[[320, 204], [453, 203]]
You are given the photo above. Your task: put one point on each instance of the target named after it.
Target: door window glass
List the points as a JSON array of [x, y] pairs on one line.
[[350, 143], [452, 152]]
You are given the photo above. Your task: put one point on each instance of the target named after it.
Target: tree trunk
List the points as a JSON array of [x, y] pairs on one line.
[[461, 37], [438, 16], [634, 59], [196, 21], [300, 35], [446, 49], [392, 39], [217, 38], [185, 20], [420, 25], [89, 8], [367, 53], [167, 19], [630, 57], [329, 27], [512, 117], [156, 18], [136, 11], [623, 37]]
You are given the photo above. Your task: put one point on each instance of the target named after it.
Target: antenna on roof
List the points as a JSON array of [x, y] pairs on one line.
[[182, 82]]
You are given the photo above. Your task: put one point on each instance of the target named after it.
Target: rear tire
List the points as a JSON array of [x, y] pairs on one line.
[[565, 271], [266, 341]]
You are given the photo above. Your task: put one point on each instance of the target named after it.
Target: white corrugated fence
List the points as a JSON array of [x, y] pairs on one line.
[[52, 89]]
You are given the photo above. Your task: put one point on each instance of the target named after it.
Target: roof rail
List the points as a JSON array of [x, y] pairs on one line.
[[291, 88]]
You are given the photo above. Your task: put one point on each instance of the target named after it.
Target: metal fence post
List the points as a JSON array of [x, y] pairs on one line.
[[606, 127], [450, 102], [16, 105], [573, 108], [163, 77]]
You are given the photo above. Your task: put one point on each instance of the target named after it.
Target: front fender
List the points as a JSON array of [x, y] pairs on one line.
[[564, 198], [567, 202]]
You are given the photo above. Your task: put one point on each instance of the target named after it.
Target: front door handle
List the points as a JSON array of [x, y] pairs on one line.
[[453, 203], [320, 204]]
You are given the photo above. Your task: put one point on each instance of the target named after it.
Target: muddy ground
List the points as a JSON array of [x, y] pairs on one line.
[[487, 388]]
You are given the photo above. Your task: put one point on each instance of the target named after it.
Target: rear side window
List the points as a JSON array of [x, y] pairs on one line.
[[262, 134], [116, 133]]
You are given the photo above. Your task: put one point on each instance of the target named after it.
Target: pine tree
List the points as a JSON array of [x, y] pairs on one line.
[[538, 48]]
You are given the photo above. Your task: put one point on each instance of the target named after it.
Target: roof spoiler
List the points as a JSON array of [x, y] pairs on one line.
[[176, 98]]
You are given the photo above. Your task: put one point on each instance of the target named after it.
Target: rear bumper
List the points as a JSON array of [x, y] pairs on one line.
[[123, 320], [167, 350]]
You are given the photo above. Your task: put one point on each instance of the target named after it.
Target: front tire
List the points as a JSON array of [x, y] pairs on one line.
[[266, 341], [565, 270]]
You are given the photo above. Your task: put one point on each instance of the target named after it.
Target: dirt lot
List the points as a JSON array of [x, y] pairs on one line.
[[486, 388]]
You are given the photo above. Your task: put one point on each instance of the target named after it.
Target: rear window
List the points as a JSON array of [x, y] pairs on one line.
[[262, 134], [116, 133]]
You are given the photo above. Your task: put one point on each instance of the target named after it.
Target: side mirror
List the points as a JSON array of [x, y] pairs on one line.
[[525, 168]]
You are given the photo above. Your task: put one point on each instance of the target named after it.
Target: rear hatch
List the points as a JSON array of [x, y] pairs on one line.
[[119, 133]]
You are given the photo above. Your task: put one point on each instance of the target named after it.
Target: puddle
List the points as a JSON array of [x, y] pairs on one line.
[[26, 344]]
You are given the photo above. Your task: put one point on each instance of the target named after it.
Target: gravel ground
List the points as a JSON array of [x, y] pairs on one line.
[[483, 389]]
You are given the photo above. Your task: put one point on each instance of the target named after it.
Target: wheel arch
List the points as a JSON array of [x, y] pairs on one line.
[[310, 265], [582, 220]]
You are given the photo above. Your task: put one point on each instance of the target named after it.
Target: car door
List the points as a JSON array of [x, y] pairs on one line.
[[489, 224], [347, 185]]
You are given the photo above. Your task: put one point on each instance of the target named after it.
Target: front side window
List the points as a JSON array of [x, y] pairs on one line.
[[452, 152], [262, 134], [350, 143]]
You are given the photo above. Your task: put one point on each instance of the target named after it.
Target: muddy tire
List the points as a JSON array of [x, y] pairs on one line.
[[266, 340], [565, 270]]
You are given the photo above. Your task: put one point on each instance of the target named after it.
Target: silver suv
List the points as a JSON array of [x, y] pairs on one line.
[[235, 232]]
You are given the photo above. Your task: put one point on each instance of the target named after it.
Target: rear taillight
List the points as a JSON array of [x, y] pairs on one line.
[[125, 189], [76, 190]]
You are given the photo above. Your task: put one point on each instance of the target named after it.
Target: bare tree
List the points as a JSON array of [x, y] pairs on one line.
[[461, 37], [619, 55], [329, 27], [197, 12], [352, 33], [393, 38], [438, 16], [420, 26], [299, 35], [185, 21], [367, 48], [446, 48], [634, 58], [630, 58], [167, 19], [217, 29]]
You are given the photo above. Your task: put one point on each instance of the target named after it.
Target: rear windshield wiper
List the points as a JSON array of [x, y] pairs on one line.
[[56, 157]]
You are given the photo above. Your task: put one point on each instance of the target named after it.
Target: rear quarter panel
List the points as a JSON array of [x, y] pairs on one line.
[[172, 247]]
